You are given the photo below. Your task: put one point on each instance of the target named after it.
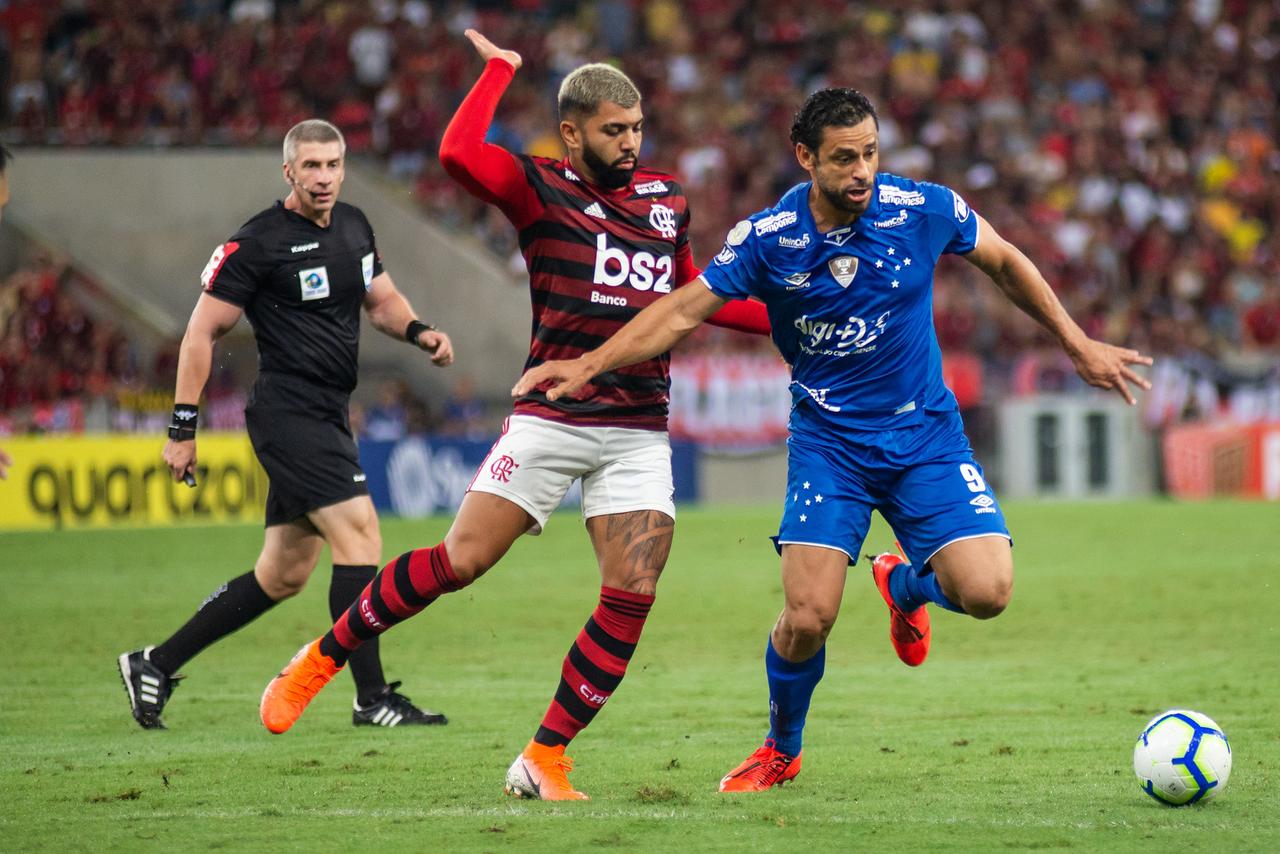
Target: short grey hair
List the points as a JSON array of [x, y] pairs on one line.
[[587, 87], [312, 130]]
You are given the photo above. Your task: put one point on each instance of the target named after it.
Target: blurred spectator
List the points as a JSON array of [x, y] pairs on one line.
[[464, 413], [387, 419]]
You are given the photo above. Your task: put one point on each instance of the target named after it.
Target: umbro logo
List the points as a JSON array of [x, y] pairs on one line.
[[796, 281], [304, 247], [594, 210], [983, 504]]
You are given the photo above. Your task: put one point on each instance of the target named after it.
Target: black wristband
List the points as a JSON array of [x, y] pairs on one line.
[[182, 425], [414, 329]]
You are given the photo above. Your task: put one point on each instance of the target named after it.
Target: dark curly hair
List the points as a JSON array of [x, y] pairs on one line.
[[834, 107]]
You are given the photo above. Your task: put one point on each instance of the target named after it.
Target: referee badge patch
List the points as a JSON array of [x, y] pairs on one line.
[[366, 268], [315, 283]]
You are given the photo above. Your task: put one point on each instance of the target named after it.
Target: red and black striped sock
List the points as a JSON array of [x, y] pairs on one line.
[[595, 665], [404, 587]]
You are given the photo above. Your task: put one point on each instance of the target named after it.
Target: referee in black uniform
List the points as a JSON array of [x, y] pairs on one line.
[[301, 270]]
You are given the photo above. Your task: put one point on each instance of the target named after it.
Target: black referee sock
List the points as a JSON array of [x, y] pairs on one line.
[[347, 584], [235, 604]]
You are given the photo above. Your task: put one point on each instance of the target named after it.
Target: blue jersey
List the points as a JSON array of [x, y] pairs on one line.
[[852, 309]]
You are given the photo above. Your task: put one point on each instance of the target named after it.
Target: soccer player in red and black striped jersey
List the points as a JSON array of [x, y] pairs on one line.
[[602, 237]]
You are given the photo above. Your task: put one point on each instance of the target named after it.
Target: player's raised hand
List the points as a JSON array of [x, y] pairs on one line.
[[565, 377], [1103, 365], [438, 345], [488, 50]]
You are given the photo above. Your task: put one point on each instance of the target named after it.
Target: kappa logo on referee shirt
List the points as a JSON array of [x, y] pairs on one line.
[[315, 283]]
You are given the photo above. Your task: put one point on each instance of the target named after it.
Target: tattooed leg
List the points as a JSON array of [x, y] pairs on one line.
[[632, 548]]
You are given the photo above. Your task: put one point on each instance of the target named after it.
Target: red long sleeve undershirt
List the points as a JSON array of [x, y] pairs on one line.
[[490, 173]]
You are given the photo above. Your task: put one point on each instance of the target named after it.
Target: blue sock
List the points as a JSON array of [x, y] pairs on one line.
[[911, 589], [790, 689]]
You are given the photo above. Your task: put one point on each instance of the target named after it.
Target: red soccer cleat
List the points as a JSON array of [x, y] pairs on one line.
[[762, 770], [910, 633]]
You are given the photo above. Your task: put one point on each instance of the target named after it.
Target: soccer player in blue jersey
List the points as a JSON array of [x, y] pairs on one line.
[[844, 264]]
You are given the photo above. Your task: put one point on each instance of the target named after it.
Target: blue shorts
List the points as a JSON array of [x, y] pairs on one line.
[[923, 479]]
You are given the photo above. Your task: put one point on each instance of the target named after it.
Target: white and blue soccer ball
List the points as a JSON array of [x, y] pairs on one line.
[[1182, 757]]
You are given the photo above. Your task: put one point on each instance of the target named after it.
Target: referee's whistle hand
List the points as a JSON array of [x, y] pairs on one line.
[[180, 457], [438, 345]]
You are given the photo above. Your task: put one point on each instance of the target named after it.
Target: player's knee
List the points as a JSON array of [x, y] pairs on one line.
[[810, 623], [281, 583], [470, 557], [989, 598]]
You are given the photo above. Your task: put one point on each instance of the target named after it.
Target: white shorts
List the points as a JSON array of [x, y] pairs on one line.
[[535, 461]]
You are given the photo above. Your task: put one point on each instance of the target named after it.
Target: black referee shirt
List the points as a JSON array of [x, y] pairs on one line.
[[302, 287]]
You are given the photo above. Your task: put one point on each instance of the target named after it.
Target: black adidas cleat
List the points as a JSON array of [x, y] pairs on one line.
[[394, 709], [147, 686]]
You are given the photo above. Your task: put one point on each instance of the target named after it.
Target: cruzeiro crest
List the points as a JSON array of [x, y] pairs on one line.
[[843, 268], [663, 219]]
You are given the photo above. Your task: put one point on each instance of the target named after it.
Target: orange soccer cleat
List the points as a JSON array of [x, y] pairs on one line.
[[761, 770], [910, 633], [542, 773], [289, 693]]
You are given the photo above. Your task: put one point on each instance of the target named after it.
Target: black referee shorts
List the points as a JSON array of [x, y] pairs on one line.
[[302, 436]]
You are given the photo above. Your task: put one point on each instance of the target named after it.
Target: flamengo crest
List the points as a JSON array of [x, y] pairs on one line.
[[843, 268], [663, 219]]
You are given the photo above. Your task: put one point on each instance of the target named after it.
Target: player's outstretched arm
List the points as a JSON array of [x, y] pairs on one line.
[[655, 330], [487, 171], [210, 319], [391, 314], [1099, 364]]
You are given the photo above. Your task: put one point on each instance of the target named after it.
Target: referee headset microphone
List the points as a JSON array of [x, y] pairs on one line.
[[298, 185]]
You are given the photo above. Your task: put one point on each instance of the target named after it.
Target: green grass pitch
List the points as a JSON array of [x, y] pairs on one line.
[[1016, 735]]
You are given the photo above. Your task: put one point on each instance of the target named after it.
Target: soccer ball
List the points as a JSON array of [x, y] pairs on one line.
[[1182, 757]]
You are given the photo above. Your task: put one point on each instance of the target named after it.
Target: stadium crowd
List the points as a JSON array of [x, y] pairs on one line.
[[1128, 148], [63, 367]]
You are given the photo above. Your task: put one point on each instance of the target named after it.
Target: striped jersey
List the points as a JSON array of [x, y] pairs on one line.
[[596, 257]]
